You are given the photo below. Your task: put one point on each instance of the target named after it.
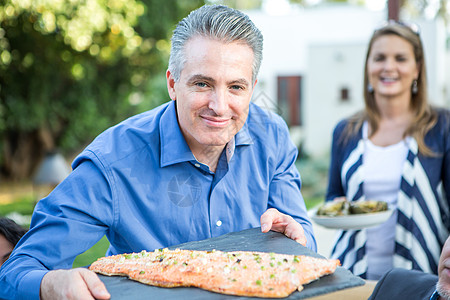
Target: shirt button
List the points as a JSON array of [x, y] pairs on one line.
[[197, 165], [219, 223]]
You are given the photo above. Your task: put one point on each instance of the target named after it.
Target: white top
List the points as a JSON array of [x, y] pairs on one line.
[[383, 170]]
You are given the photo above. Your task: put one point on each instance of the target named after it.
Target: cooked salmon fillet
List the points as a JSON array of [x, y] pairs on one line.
[[242, 273]]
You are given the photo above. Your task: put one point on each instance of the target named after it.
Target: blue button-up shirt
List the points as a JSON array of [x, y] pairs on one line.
[[139, 184]]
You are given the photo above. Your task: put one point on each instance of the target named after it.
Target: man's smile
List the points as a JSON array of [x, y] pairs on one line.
[[216, 121]]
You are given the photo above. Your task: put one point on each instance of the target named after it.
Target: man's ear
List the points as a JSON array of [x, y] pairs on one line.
[[253, 86], [171, 85]]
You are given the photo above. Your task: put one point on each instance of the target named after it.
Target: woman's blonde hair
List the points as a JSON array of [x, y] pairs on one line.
[[424, 116]]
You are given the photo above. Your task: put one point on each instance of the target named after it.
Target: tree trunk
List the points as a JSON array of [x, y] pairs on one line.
[[22, 153]]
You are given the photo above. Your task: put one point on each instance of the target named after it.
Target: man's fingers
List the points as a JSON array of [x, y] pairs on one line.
[[295, 231], [94, 284], [273, 220], [75, 284], [267, 219]]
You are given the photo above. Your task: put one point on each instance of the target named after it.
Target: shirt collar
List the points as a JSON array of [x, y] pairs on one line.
[[174, 148], [243, 136]]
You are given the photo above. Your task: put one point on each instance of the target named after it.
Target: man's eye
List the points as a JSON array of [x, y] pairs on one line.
[[236, 87], [200, 84]]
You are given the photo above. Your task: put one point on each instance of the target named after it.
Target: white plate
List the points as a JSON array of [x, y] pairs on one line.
[[356, 221]]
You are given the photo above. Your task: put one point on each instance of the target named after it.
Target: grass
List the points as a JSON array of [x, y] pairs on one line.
[[23, 205], [88, 257], [313, 202]]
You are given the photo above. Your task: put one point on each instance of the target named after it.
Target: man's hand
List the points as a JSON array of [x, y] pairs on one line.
[[77, 283], [272, 219]]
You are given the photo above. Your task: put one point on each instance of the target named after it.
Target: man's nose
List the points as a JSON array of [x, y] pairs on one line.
[[219, 101]]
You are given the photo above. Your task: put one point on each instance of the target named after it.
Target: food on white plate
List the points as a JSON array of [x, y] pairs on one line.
[[344, 208]]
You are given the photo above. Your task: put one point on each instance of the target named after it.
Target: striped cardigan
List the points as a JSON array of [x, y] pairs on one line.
[[423, 221]]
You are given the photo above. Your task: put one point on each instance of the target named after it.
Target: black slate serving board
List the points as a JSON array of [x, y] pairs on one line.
[[121, 288]]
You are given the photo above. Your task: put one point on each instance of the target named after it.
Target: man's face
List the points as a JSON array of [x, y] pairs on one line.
[[443, 285], [213, 92], [5, 249]]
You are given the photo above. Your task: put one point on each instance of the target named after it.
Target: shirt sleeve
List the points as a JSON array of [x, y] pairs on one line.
[[64, 224], [284, 189]]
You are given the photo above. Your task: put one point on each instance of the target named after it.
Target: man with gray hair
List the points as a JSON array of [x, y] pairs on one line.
[[207, 163]]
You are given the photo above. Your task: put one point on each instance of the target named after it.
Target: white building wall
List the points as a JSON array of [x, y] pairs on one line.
[[331, 67], [447, 80], [433, 37], [327, 46], [287, 38], [345, 66]]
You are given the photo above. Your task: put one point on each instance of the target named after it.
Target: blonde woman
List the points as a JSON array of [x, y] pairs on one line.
[[396, 150]]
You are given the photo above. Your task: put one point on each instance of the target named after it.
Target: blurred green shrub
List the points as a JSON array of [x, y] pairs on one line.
[[70, 69], [314, 175], [23, 205]]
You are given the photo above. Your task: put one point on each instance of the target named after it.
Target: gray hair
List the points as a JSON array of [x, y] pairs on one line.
[[217, 22]]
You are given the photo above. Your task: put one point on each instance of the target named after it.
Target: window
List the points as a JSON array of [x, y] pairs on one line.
[[289, 99], [345, 94]]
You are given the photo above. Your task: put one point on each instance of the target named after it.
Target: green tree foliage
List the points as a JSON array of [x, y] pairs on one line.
[[70, 69]]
